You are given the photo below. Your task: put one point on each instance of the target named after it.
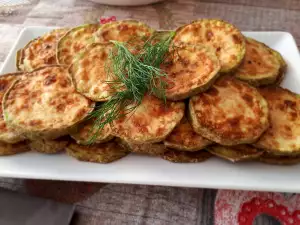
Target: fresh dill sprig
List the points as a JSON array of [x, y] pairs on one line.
[[133, 71]]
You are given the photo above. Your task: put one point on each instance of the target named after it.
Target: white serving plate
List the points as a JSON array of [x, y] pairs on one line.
[[140, 169]]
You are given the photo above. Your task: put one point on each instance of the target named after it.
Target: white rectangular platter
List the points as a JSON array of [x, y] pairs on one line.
[[140, 169]]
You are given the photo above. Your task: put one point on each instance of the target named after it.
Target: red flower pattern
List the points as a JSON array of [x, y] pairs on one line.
[[107, 19], [242, 207]]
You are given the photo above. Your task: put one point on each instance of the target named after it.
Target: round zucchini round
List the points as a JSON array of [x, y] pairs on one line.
[[279, 159], [85, 132], [7, 134], [150, 122], [235, 153], [44, 104], [190, 69], [12, 149], [283, 135], [49, 146], [186, 157], [40, 51], [75, 40], [184, 138], [129, 31], [99, 153], [224, 38], [261, 65], [89, 72], [231, 112], [149, 148]]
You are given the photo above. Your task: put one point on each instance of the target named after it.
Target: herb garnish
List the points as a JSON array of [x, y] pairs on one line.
[[133, 75]]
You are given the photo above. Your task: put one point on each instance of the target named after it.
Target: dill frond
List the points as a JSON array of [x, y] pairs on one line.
[[134, 75]]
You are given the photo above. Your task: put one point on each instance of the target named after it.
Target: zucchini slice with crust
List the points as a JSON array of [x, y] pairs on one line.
[[184, 138], [261, 64], [89, 73], [150, 122], [149, 148], [40, 51], [235, 153], [44, 104], [98, 153], [190, 70], [12, 149], [283, 135], [283, 67], [225, 39], [83, 133], [130, 31], [8, 135], [186, 157], [49, 146], [231, 112], [269, 158], [75, 40]]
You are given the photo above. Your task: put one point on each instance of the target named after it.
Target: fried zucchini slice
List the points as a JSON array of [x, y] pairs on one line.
[[40, 51], [84, 132], [12, 149], [231, 112], [149, 149], [130, 31], [235, 153], [49, 146], [150, 122], [190, 70], [184, 138], [89, 73], [279, 159], [283, 67], [283, 135], [99, 153], [18, 59], [225, 39], [75, 40], [261, 65], [44, 104], [8, 135], [186, 157]]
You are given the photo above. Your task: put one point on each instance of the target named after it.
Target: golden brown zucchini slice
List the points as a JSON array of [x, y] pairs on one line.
[[150, 122], [40, 51], [283, 135], [149, 148], [131, 31], [74, 41], [99, 153], [225, 39], [235, 153], [186, 157], [261, 65], [8, 135], [12, 149], [84, 132], [231, 112], [279, 159], [89, 72], [18, 59], [49, 146], [44, 104], [190, 70], [184, 138], [283, 67]]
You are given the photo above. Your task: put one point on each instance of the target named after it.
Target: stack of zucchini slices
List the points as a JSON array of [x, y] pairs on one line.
[[222, 91]]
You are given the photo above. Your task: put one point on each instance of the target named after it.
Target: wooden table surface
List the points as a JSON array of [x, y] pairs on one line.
[[137, 204]]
